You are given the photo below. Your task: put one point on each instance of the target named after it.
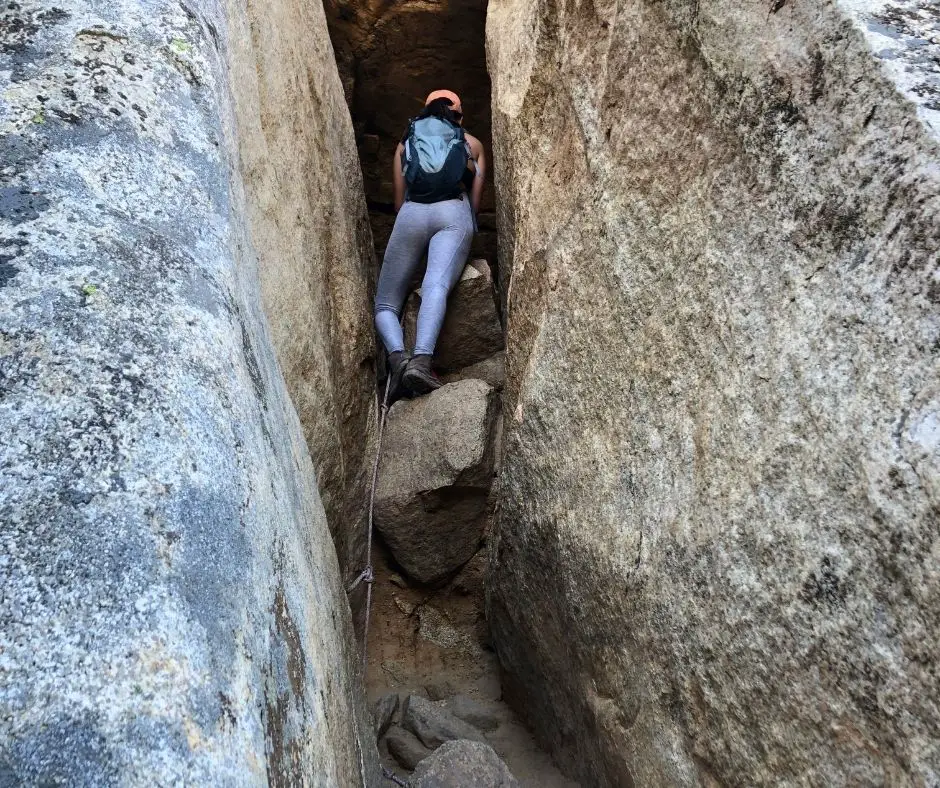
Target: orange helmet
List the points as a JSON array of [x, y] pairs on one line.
[[449, 95]]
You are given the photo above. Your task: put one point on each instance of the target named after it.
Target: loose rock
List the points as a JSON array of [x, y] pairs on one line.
[[405, 748], [435, 725], [383, 711], [436, 470], [463, 764], [485, 715]]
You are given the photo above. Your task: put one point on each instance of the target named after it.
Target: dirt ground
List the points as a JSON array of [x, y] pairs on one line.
[[435, 643]]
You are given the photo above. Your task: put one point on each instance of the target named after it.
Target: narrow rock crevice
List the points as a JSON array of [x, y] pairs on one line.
[[428, 638]]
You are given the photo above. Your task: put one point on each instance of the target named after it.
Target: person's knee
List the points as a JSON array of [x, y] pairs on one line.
[[381, 307]]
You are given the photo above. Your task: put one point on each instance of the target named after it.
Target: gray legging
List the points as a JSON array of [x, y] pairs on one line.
[[445, 230]]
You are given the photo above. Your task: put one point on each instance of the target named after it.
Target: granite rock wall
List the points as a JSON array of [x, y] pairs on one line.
[[716, 553]]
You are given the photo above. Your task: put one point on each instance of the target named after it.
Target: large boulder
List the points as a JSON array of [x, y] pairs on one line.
[[171, 608], [463, 764], [471, 332], [715, 560], [434, 724], [435, 473]]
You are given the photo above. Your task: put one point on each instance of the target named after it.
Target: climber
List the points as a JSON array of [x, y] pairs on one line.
[[438, 173]]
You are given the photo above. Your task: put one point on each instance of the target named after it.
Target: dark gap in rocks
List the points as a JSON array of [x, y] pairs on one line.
[[389, 59], [432, 640]]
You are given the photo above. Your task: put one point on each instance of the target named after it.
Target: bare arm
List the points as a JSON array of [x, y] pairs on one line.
[[476, 148], [398, 179]]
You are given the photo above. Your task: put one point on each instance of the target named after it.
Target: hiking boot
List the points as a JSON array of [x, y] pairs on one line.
[[419, 377], [397, 362]]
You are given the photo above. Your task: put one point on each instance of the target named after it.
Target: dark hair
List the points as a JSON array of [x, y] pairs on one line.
[[440, 108]]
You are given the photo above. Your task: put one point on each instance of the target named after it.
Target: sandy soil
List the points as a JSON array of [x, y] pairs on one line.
[[435, 643]]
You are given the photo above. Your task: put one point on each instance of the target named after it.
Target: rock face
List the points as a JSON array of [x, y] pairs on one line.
[[309, 226], [463, 764], [171, 609], [724, 523], [471, 333], [435, 475]]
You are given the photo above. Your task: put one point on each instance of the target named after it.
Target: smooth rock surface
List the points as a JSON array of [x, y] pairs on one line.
[[435, 473], [471, 332], [716, 558], [171, 607], [463, 764], [308, 223], [433, 724], [483, 715], [405, 747]]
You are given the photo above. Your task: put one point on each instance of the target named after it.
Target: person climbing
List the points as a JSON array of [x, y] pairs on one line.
[[438, 173]]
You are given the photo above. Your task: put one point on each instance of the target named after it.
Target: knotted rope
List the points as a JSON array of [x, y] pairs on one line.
[[368, 575]]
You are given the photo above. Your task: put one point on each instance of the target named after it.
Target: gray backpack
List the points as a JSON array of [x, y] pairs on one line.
[[434, 159]]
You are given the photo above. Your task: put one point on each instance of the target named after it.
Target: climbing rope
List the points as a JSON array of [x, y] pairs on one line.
[[390, 775], [368, 575]]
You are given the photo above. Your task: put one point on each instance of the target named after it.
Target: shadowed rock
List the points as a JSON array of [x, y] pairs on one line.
[[471, 332], [433, 724], [383, 711], [405, 747], [435, 473]]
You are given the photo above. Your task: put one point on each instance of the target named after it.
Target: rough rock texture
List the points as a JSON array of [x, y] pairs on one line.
[[309, 226], [433, 724], [471, 332], [171, 609], [435, 474], [905, 36], [724, 522], [390, 56], [463, 764], [405, 747], [491, 370]]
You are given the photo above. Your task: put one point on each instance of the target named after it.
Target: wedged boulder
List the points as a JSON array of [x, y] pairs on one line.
[[715, 560], [171, 607], [471, 332], [433, 724], [463, 764], [405, 747], [435, 473]]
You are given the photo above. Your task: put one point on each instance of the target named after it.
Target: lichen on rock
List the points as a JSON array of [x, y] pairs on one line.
[[171, 608]]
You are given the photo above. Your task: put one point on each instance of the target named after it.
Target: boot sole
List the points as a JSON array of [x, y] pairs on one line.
[[419, 384]]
